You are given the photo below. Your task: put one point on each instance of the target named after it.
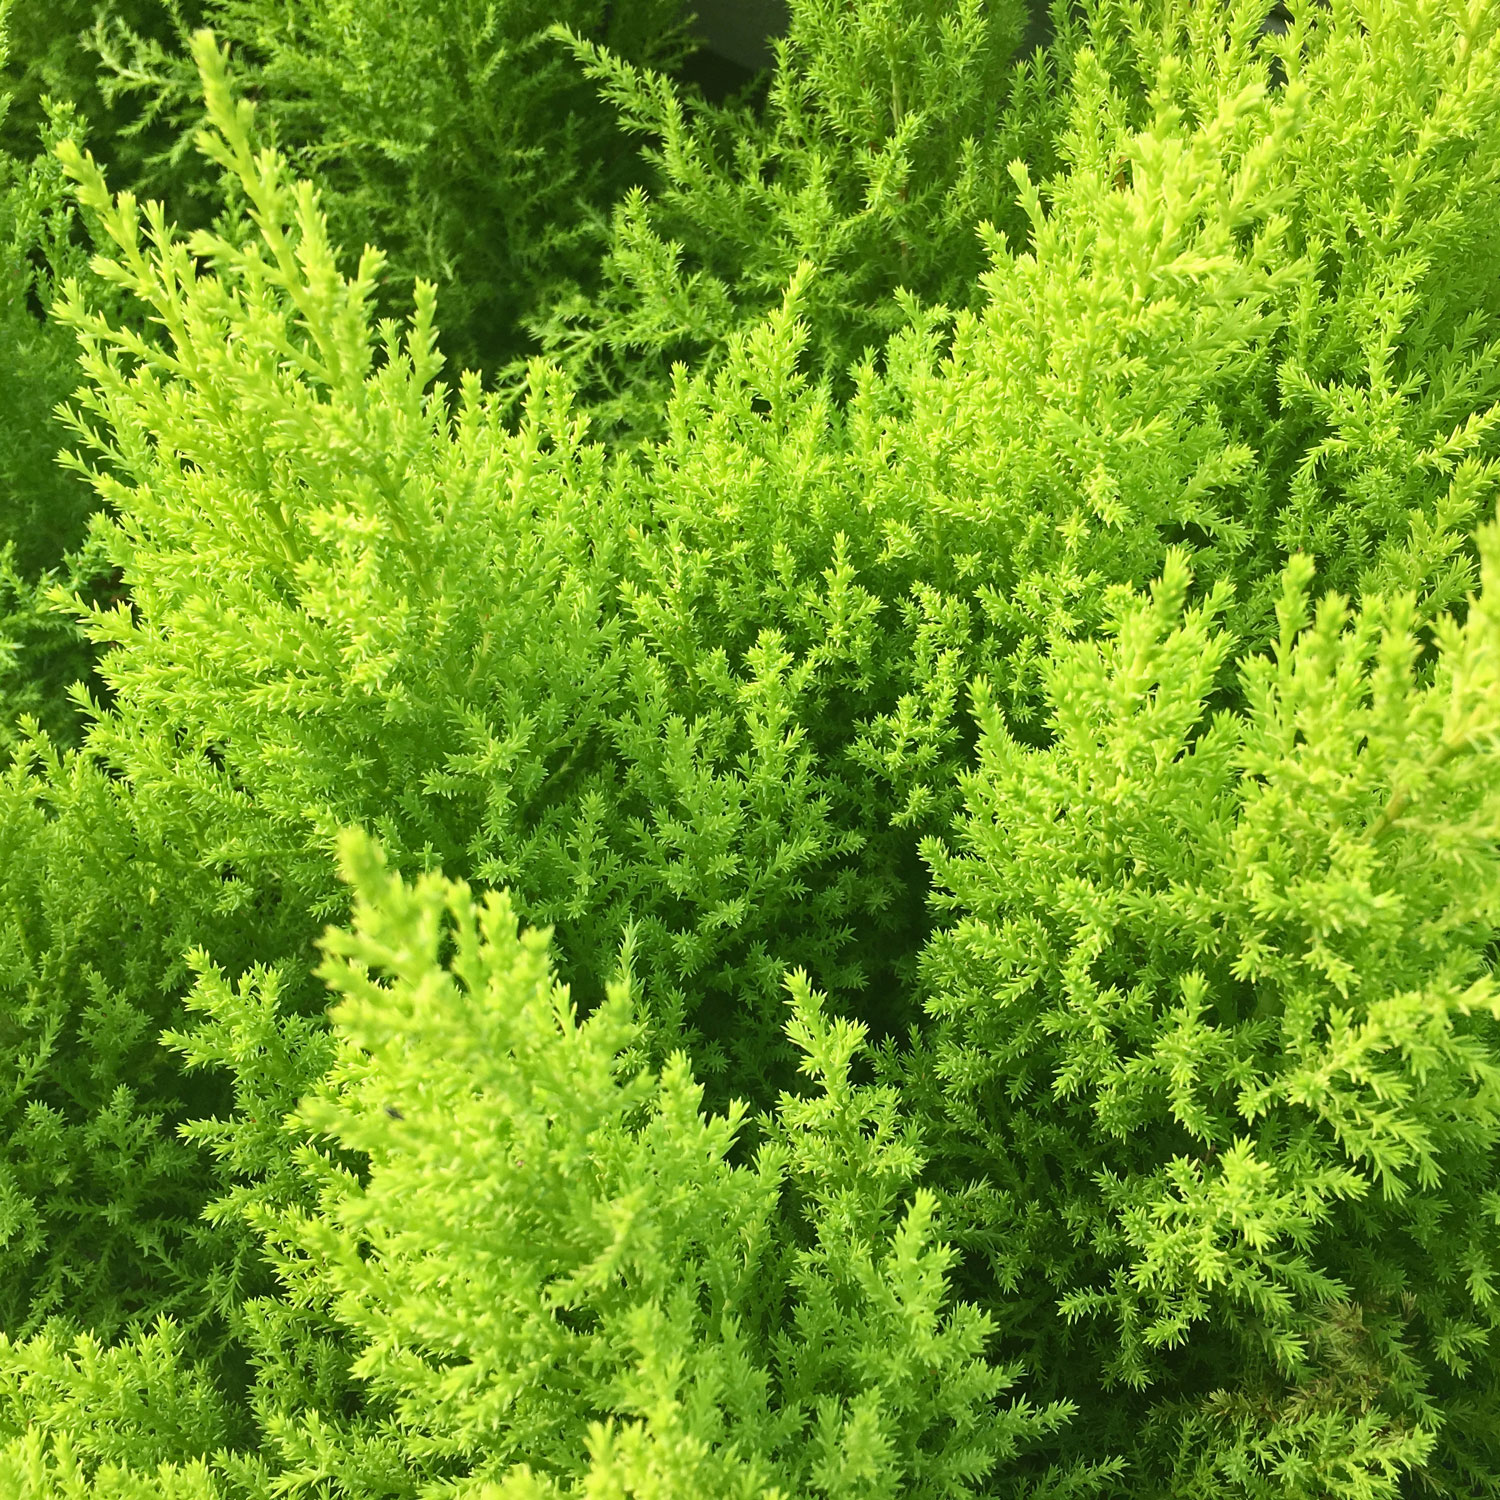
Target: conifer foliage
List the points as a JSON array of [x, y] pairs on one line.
[[872, 869]]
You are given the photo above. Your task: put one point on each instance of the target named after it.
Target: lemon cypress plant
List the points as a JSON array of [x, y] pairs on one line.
[[898, 900]]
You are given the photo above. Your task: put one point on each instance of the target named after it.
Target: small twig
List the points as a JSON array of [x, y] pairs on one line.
[[1402, 796]]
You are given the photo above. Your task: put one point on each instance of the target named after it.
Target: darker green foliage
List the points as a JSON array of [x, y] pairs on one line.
[[454, 134]]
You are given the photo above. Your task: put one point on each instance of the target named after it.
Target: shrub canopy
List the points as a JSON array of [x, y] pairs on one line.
[[859, 860]]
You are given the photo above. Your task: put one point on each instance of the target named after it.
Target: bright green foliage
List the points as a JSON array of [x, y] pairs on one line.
[[548, 1237], [35, 1469], [98, 1200], [726, 707], [1215, 1027], [401, 596], [146, 1403], [1118, 392], [880, 147], [1374, 399], [454, 134], [1043, 625]]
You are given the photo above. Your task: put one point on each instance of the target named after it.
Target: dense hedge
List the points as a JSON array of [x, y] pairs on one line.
[[809, 811]]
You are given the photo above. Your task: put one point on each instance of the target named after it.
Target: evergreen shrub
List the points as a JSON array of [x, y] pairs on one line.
[[871, 870], [43, 508]]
